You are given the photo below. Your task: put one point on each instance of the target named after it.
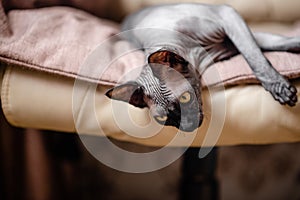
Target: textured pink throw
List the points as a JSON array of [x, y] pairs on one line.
[[59, 39]]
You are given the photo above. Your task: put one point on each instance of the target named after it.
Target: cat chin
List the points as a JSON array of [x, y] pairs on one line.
[[188, 127], [189, 130]]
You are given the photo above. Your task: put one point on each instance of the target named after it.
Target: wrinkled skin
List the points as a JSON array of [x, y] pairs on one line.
[[188, 38]]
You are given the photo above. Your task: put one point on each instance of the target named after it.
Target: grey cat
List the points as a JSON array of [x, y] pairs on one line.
[[186, 39]]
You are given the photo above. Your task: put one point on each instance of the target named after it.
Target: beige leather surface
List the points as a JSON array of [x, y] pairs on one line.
[[33, 99]]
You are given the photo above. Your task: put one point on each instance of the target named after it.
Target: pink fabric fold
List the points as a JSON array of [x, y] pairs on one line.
[[237, 71], [61, 40]]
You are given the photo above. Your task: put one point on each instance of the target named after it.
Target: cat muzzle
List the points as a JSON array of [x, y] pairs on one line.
[[191, 123]]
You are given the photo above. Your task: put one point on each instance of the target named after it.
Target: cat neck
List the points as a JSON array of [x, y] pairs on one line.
[[153, 87]]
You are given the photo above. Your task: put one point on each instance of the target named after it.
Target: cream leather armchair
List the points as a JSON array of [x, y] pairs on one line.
[[40, 89]]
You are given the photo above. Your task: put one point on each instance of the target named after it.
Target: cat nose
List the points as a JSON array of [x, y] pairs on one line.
[[191, 124], [188, 125]]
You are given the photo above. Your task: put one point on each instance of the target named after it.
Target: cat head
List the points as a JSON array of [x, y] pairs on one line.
[[170, 87]]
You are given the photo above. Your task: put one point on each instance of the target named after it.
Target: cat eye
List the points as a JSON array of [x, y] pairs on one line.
[[185, 97], [161, 118]]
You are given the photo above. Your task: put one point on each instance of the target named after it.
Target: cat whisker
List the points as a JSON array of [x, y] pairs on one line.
[[206, 114], [205, 117], [182, 134]]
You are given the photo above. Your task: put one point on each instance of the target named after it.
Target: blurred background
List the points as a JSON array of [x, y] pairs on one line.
[[46, 165]]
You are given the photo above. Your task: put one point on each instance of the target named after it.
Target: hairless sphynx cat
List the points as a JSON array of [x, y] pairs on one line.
[[188, 38]]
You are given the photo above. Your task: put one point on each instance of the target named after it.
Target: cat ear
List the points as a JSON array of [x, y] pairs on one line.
[[130, 92], [168, 59]]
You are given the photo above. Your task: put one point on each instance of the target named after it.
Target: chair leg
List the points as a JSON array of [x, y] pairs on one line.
[[198, 176]]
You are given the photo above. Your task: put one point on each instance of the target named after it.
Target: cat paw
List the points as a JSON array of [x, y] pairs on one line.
[[283, 92]]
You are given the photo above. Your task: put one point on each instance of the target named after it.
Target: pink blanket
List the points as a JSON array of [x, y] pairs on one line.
[[59, 39]]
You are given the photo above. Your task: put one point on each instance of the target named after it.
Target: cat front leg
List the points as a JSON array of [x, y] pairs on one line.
[[238, 32]]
